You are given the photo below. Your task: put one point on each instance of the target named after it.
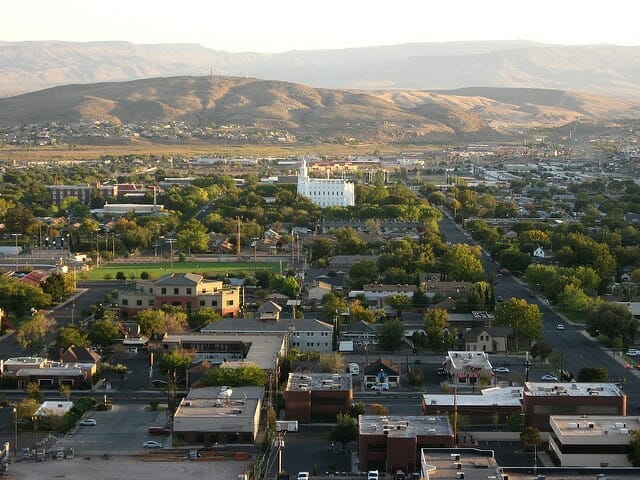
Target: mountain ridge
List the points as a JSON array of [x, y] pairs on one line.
[[595, 69], [309, 112]]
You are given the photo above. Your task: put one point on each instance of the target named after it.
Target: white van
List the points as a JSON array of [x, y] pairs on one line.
[[354, 369]]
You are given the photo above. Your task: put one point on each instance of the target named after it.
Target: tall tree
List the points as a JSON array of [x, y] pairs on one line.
[[461, 262], [390, 335], [345, 430], [523, 317], [613, 320], [32, 333]]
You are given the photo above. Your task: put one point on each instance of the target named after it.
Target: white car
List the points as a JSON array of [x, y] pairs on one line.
[[152, 444], [549, 378], [633, 352], [88, 422], [303, 475], [501, 370], [560, 327], [372, 475], [380, 386]]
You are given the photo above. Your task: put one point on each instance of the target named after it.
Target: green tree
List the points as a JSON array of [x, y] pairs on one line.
[[245, 375], [390, 335], [595, 375], [152, 321], [345, 431], [399, 303], [540, 350], [31, 333], [633, 450], [333, 306], [363, 272], [34, 392], [436, 326], [104, 332], [20, 298], [523, 317], [59, 286], [333, 363], [530, 436], [356, 409], [461, 262], [192, 237], [69, 336], [65, 391], [203, 316], [613, 320], [177, 362], [416, 377]]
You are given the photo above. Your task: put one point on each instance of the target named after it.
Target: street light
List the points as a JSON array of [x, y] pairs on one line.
[[16, 235], [15, 432], [35, 426]]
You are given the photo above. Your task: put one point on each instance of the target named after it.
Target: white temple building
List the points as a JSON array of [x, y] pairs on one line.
[[325, 192]]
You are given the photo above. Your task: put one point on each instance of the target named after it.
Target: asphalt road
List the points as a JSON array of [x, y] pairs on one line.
[[577, 350]]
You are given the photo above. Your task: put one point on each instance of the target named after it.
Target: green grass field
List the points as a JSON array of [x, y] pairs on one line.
[[157, 270]]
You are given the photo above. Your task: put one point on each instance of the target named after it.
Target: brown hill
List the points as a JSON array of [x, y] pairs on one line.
[[307, 111]]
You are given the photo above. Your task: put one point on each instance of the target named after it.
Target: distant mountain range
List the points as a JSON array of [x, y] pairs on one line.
[[313, 113], [600, 69]]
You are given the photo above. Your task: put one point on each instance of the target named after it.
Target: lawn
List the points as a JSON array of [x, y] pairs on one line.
[[158, 269]]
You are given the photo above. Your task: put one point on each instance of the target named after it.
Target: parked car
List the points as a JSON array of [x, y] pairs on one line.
[[152, 444], [89, 422], [632, 352], [303, 475], [501, 370], [560, 327], [549, 378], [372, 475], [442, 371], [158, 431], [380, 386]]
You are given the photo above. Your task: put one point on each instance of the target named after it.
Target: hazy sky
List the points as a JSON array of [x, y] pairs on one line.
[[280, 25]]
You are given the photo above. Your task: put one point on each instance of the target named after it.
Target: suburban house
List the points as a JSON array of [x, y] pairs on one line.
[[218, 415], [187, 290], [393, 442], [377, 293], [269, 311], [83, 356], [488, 339], [381, 371], [317, 396]]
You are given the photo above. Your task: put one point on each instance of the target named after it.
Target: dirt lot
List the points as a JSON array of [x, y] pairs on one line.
[[124, 467]]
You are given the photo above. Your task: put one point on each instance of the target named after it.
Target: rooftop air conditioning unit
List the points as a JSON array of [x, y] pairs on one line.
[[459, 474], [455, 456]]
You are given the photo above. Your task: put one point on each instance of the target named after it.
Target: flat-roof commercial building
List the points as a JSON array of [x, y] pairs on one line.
[[541, 400], [493, 406], [393, 442], [317, 396], [218, 415], [454, 464], [592, 441], [230, 349], [468, 368]]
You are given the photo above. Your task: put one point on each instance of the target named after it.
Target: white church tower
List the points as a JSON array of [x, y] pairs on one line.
[[325, 192]]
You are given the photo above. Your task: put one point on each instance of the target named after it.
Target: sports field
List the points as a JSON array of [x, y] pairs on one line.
[[133, 270]]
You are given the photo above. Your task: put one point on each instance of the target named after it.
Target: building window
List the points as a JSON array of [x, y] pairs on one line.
[[214, 303], [150, 289], [139, 303], [151, 303], [125, 301], [229, 303], [202, 303], [188, 290], [176, 291], [163, 290]]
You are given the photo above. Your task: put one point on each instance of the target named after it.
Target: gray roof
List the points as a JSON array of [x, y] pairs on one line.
[[358, 327], [179, 279], [206, 410], [254, 325]]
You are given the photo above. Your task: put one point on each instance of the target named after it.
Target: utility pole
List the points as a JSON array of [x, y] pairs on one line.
[[170, 241], [15, 433], [16, 235], [238, 241]]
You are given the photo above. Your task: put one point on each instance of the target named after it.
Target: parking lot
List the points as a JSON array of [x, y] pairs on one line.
[[121, 431]]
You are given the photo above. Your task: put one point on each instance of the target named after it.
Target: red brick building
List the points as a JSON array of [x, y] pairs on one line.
[[543, 399], [394, 442], [317, 396]]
